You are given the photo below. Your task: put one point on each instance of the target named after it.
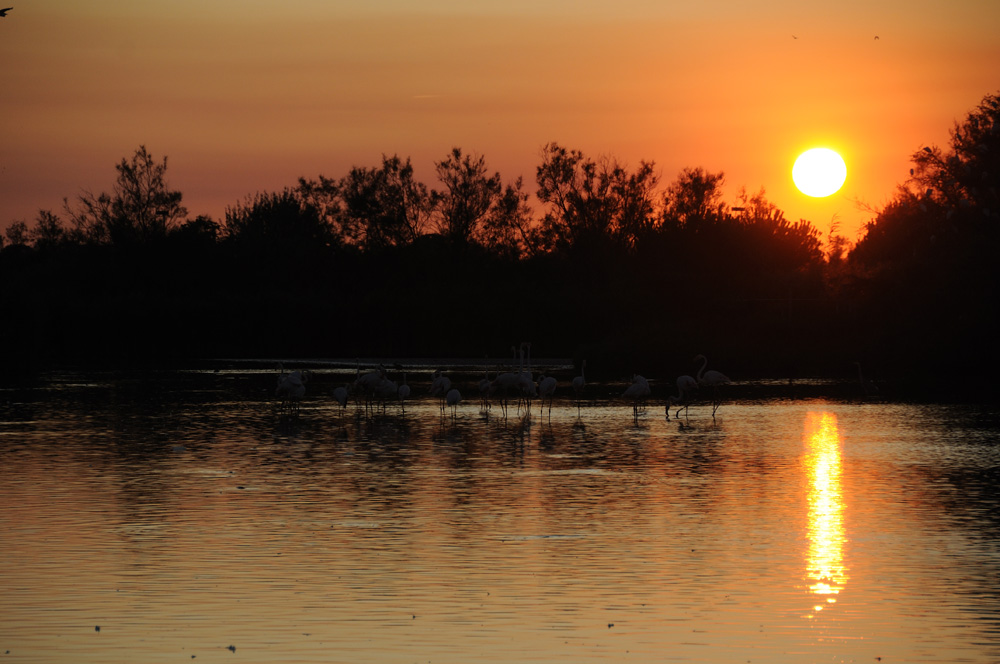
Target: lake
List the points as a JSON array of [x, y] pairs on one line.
[[178, 516]]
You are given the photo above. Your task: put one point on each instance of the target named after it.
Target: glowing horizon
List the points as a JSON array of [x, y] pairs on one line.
[[250, 97]]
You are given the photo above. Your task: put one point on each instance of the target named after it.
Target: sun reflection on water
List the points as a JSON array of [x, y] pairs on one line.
[[825, 570]]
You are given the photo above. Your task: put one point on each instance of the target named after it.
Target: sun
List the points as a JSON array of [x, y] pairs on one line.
[[819, 172]]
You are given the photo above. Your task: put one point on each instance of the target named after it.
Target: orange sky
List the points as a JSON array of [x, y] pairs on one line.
[[248, 96]]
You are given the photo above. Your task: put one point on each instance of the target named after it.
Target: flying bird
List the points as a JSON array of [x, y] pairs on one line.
[[3, 12]]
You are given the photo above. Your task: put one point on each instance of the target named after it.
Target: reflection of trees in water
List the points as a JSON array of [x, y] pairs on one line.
[[964, 479]]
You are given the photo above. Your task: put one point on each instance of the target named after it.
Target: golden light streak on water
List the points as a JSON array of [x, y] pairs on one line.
[[825, 570]]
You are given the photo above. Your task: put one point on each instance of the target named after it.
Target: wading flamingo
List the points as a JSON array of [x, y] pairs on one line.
[[452, 399], [686, 387], [579, 383], [440, 385], [546, 390], [505, 383], [712, 379], [637, 392], [290, 389]]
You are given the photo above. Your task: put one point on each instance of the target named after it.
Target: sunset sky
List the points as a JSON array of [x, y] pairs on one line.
[[244, 97]]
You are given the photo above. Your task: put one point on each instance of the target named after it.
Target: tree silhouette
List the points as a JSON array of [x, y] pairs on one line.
[[789, 246], [48, 232], [275, 225], [140, 207], [476, 207], [18, 234], [694, 200], [590, 201], [963, 179], [468, 197], [383, 207], [923, 278], [616, 268]]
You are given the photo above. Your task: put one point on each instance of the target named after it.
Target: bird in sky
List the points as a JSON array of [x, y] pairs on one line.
[[3, 12]]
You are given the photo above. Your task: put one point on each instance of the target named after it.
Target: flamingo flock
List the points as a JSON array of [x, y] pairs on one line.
[[374, 390]]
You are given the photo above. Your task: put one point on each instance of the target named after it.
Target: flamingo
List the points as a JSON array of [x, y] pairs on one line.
[[386, 390], [452, 399], [579, 383], [525, 382], [440, 386], [403, 393], [368, 383], [686, 385], [505, 382], [546, 389], [340, 394], [711, 379], [290, 389], [637, 391], [484, 387]]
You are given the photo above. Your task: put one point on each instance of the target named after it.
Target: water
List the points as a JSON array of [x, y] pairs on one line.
[[180, 515]]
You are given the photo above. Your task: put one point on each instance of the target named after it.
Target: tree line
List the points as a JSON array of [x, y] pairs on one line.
[[610, 264]]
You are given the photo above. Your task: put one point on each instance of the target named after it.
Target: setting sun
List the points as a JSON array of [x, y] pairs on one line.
[[819, 172]]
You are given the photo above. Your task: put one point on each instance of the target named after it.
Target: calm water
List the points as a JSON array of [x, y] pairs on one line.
[[181, 515]]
